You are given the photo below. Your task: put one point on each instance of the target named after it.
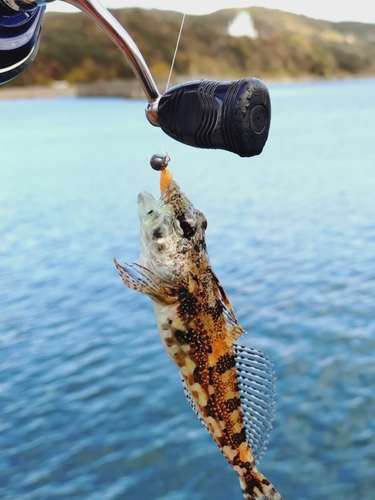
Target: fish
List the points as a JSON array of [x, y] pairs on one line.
[[230, 387]]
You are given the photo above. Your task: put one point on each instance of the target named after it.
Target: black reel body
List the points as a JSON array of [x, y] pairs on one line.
[[234, 116]]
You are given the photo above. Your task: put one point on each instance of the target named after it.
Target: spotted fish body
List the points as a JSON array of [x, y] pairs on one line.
[[231, 388]]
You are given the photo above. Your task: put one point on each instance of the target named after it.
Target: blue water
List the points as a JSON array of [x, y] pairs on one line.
[[90, 405]]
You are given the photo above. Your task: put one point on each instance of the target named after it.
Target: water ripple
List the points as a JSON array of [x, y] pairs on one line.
[[91, 406]]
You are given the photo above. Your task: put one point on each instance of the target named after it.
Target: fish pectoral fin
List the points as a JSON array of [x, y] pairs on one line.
[[143, 280], [256, 382], [234, 329]]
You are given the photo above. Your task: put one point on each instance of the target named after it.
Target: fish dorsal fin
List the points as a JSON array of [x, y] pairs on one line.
[[223, 295], [256, 382], [234, 329]]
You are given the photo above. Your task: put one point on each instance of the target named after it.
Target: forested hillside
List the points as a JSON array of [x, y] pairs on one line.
[[74, 49]]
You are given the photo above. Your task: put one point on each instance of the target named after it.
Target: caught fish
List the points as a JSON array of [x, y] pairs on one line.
[[230, 388]]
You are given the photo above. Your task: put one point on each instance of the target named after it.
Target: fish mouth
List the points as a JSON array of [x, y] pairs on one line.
[[146, 204], [149, 206]]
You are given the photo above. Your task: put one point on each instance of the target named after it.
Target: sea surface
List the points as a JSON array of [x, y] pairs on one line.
[[90, 405]]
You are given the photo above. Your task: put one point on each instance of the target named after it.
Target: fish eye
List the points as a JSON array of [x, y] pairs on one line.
[[187, 229]]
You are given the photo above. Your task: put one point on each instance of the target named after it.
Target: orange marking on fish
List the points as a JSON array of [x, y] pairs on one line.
[[219, 348], [245, 454]]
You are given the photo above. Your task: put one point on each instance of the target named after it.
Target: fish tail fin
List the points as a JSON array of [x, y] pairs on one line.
[[256, 487]]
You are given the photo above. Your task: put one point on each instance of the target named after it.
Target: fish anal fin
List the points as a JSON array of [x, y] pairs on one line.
[[143, 280], [256, 381], [191, 402]]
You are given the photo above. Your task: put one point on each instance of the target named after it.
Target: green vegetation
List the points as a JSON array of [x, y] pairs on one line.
[[74, 49]]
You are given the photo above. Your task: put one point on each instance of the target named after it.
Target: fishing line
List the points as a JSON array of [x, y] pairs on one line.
[[175, 50], [170, 72]]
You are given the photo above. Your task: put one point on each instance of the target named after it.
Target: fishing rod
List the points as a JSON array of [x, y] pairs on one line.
[[232, 115]]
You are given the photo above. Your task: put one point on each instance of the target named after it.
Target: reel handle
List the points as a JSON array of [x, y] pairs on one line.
[[234, 116]]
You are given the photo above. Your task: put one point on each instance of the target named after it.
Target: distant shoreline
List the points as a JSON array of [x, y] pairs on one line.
[[129, 89]]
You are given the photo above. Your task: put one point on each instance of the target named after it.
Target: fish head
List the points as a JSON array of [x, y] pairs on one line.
[[172, 235]]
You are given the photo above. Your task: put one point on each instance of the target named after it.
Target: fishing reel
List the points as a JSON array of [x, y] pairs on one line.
[[234, 116]]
